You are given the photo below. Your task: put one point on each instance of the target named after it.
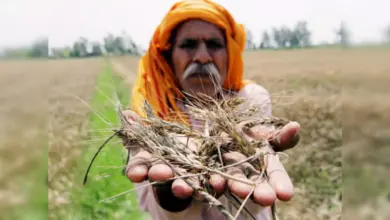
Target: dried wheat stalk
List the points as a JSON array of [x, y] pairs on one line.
[[222, 134]]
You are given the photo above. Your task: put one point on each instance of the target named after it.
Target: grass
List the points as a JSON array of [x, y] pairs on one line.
[[104, 181], [32, 185]]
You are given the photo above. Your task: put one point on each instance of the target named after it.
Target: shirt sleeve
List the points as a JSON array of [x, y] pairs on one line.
[[257, 95]]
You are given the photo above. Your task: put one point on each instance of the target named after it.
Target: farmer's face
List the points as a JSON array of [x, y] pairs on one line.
[[199, 42]]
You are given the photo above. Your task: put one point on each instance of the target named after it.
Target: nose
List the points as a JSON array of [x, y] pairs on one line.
[[202, 55]]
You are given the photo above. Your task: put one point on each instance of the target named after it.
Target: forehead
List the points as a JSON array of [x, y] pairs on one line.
[[198, 29]]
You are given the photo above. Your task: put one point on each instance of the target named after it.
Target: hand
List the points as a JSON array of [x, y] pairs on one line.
[[177, 194], [287, 138], [174, 196], [279, 184]]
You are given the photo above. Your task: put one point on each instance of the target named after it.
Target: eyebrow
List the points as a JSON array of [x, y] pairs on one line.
[[212, 39], [216, 39]]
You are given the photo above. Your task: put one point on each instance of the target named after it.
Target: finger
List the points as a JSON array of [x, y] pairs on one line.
[[181, 189], [287, 138], [218, 183], [172, 195], [236, 187], [278, 178], [263, 194], [131, 117], [138, 166], [259, 132], [160, 172]]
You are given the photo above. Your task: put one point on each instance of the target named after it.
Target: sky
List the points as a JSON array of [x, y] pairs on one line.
[[22, 21]]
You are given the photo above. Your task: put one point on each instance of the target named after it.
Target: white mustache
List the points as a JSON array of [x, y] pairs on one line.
[[209, 69]]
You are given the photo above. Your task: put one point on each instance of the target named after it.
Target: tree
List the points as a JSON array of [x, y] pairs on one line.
[[109, 43], [129, 44], [249, 40], [286, 36], [96, 49], [343, 34], [282, 36], [121, 44], [277, 37], [40, 48], [386, 34], [301, 35], [80, 48], [265, 41]]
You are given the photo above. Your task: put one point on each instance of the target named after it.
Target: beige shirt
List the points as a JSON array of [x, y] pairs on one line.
[[255, 95]]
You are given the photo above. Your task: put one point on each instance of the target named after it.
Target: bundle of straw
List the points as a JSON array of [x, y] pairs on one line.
[[225, 124]]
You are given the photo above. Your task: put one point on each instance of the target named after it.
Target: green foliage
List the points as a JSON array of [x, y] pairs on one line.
[[386, 34], [122, 44], [105, 178], [38, 49]]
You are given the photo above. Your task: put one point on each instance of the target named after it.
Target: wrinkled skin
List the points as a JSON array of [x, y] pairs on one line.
[[198, 41]]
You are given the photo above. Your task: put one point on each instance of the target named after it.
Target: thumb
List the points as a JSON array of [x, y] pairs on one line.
[[287, 138], [130, 116]]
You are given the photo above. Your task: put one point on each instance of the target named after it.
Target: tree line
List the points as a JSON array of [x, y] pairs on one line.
[[298, 36], [121, 44]]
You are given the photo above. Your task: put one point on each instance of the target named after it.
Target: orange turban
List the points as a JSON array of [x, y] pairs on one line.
[[155, 80]]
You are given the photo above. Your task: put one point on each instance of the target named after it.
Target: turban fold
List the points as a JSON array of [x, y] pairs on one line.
[[156, 82]]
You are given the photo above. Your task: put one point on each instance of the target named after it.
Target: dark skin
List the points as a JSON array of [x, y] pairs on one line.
[[199, 41]]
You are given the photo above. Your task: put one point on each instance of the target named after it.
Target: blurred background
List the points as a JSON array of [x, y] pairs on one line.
[[64, 64]]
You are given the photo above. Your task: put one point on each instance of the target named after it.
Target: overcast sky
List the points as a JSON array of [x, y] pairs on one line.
[[21, 21]]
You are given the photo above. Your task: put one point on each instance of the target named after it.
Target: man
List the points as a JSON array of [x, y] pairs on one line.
[[198, 49]]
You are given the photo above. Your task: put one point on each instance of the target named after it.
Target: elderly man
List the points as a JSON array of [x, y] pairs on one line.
[[198, 49]]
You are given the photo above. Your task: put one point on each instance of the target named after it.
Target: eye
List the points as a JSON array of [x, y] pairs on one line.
[[214, 44], [188, 44]]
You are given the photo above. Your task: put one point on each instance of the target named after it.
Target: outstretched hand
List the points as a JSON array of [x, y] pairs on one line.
[[177, 195]]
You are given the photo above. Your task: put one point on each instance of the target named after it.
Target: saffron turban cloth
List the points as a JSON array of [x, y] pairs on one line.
[[156, 82]]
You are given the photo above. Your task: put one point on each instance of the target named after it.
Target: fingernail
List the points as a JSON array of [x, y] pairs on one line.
[[285, 191], [217, 179], [180, 191], [295, 125], [139, 169], [294, 129], [218, 182]]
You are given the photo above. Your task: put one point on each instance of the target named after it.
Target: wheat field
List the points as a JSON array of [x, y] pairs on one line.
[[338, 96]]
